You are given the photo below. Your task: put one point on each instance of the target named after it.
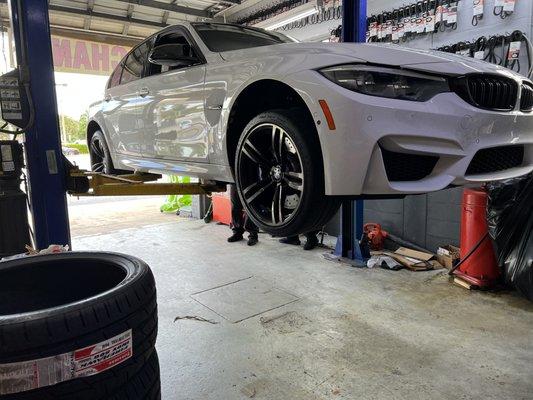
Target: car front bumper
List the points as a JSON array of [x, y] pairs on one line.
[[445, 127]]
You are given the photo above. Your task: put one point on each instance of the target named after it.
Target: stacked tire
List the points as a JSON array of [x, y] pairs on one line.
[[78, 326]]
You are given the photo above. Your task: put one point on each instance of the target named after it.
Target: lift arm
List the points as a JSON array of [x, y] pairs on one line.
[[86, 183]]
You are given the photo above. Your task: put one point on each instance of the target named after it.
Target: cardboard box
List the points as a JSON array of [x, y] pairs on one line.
[[447, 255], [416, 260], [413, 259]]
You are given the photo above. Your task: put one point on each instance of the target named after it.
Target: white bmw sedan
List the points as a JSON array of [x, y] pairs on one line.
[[298, 125]]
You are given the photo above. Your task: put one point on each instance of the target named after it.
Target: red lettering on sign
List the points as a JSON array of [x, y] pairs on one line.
[[100, 57], [81, 56], [62, 53]]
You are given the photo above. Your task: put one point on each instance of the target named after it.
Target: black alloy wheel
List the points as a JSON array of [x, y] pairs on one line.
[[271, 174], [98, 155], [279, 174], [101, 157]]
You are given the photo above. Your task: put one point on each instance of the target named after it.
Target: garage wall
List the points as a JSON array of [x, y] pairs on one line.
[[428, 220], [434, 219], [490, 25]]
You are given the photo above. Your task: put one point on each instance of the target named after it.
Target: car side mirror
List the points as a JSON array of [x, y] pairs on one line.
[[172, 55]]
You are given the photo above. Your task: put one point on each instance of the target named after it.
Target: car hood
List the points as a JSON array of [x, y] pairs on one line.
[[393, 55]]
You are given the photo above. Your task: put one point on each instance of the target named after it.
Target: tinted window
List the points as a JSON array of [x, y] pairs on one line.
[[169, 38], [221, 37], [114, 80], [134, 64]]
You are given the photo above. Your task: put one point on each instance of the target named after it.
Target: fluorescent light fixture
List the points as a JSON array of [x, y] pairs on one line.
[[287, 17]]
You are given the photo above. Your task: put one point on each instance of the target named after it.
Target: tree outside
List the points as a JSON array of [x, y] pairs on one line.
[[72, 130]]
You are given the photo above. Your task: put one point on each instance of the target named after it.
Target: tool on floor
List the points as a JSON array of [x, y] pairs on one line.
[[376, 236]]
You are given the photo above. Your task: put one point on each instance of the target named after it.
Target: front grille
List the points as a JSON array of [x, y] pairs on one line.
[[488, 91], [526, 102], [496, 159], [407, 167]]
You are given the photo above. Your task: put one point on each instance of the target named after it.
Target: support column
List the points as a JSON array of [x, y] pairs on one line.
[[353, 30], [42, 143]]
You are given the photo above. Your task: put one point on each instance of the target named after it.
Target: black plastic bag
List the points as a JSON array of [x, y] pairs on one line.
[[510, 221]]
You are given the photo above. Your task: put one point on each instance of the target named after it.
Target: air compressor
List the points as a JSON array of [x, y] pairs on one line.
[[14, 226]]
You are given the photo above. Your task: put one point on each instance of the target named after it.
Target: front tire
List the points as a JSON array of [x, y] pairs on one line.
[[279, 174]]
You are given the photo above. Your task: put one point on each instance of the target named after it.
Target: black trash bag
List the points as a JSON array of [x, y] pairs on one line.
[[510, 221]]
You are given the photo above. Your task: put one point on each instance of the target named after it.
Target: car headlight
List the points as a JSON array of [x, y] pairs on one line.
[[387, 82]]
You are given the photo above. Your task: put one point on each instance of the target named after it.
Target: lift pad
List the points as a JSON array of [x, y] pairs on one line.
[[86, 183]]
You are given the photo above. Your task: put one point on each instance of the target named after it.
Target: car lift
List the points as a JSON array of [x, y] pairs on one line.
[[50, 179], [86, 183], [50, 174], [347, 248]]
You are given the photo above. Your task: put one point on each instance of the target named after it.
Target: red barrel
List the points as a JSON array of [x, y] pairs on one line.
[[480, 269]]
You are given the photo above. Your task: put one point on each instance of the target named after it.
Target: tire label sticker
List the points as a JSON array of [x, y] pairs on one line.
[[91, 360]]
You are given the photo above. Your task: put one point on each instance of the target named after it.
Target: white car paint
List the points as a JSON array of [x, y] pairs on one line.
[[200, 99]]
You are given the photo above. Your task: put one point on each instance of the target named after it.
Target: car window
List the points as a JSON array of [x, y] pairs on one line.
[[222, 37], [134, 64], [114, 80], [169, 38]]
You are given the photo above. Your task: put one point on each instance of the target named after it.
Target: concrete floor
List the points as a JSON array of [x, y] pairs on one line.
[[349, 334]]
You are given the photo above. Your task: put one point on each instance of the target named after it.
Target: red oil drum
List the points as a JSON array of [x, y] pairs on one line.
[[480, 269]]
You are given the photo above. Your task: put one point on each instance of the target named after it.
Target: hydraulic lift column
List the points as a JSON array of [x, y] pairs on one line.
[[44, 159], [353, 30]]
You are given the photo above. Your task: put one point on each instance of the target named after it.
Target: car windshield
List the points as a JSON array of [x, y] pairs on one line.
[[224, 37]]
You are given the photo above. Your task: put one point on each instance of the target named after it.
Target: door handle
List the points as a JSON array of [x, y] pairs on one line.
[[107, 97], [143, 92]]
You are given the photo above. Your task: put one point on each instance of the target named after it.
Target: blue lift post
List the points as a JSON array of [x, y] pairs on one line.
[[353, 30], [44, 159]]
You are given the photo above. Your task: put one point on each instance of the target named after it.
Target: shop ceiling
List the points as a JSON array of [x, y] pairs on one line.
[[127, 21]]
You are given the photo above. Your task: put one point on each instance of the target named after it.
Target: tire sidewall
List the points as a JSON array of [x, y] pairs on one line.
[[293, 124], [108, 163], [137, 274]]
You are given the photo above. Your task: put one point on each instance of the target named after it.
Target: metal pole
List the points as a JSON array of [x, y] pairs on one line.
[[354, 21], [353, 30], [42, 143]]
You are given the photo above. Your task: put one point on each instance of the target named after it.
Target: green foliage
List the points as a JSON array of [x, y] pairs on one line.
[[82, 126], [81, 147], [73, 130]]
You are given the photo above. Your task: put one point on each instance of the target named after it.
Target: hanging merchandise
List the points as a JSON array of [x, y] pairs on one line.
[[462, 48], [478, 48], [503, 8], [493, 43], [440, 11], [412, 21], [451, 18], [502, 50], [477, 10], [335, 35]]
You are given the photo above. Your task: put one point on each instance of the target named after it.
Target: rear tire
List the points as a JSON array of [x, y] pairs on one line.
[[280, 176]]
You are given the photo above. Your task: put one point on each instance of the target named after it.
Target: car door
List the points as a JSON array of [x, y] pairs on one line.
[[173, 110], [123, 103]]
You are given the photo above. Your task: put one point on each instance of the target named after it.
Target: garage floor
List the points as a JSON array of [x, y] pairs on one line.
[[286, 324]]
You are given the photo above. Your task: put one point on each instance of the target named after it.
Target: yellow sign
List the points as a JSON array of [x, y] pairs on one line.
[[86, 57]]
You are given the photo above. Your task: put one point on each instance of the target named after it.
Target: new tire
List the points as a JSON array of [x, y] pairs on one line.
[[56, 304], [279, 174]]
